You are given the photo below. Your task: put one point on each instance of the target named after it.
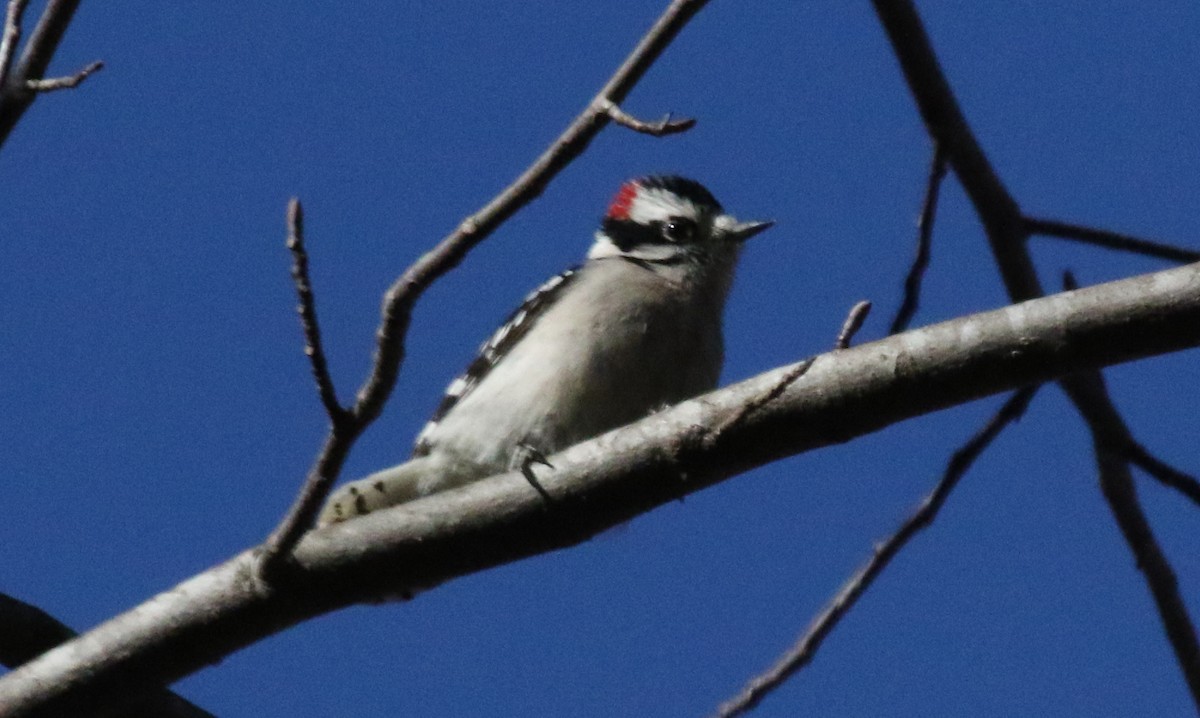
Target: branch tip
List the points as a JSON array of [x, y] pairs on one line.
[[661, 128], [64, 83], [854, 321]]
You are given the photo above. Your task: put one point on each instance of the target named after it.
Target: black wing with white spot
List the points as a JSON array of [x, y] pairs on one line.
[[494, 350]]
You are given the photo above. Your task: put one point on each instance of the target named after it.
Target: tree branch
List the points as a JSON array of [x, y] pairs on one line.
[[799, 655], [403, 294], [65, 82], [29, 632], [916, 273], [1163, 472], [1116, 482], [610, 480], [854, 321], [10, 37], [16, 95], [307, 309], [1006, 229], [1109, 240]]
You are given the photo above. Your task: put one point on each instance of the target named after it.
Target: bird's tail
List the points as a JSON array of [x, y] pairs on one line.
[[380, 490]]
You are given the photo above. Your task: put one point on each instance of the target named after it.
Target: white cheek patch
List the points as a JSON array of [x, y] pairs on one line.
[[656, 205], [603, 247]]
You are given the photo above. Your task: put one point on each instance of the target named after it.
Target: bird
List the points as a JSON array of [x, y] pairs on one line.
[[635, 328]]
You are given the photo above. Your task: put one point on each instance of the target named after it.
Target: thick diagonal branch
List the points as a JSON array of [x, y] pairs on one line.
[[610, 480]]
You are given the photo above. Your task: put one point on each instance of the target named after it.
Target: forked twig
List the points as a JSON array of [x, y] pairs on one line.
[[1163, 472], [16, 92], [1117, 485], [806, 647]]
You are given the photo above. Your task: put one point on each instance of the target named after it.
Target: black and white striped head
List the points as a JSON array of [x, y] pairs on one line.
[[669, 220]]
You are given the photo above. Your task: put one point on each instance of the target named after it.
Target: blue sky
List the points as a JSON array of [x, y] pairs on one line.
[[160, 413]]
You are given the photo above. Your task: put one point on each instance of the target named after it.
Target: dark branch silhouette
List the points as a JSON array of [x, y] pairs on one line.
[[1007, 229], [806, 647], [1163, 472], [916, 273], [1109, 240], [29, 632]]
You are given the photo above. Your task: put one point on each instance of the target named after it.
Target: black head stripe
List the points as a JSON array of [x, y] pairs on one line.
[[627, 234]]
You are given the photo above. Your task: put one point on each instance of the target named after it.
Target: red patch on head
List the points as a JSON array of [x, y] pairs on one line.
[[619, 209]]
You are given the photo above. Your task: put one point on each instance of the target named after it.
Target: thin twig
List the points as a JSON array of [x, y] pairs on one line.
[[11, 36], [307, 309], [916, 273], [665, 126], [66, 82], [771, 394], [403, 294], [854, 321], [27, 631], [1109, 240], [1163, 472], [806, 647]]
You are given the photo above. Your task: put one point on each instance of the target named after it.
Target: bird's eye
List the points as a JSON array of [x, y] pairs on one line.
[[679, 229]]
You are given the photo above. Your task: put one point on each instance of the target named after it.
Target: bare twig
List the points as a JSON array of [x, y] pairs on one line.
[[806, 647], [1163, 472], [66, 82], [1007, 230], [15, 94], [854, 321], [307, 309], [10, 37], [1109, 240], [28, 631], [916, 273], [403, 294], [665, 126], [772, 393]]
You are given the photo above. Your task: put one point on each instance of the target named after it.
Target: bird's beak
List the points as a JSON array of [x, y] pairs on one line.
[[742, 231]]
